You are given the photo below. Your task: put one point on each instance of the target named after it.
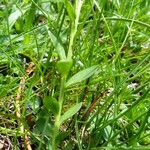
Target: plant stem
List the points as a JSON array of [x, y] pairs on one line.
[[74, 26], [57, 121]]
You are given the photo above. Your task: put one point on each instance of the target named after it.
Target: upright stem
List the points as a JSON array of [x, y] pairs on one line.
[[74, 26], [57, 121]]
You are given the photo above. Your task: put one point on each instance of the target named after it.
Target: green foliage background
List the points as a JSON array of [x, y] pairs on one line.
[[91, 74]]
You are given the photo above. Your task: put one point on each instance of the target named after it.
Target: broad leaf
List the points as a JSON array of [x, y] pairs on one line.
[[43, 124], [73, 110], [51, 104], [82, 75], [64, 66]]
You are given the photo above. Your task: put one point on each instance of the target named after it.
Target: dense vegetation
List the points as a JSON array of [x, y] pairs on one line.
[[74, 74]]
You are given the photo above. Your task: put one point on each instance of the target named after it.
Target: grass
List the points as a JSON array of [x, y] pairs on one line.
[[74, 74]]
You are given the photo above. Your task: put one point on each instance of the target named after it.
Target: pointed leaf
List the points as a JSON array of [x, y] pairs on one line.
[[14, 16], [58, 46], [73, 110], [51, 104], [70, 10], [82, 75]]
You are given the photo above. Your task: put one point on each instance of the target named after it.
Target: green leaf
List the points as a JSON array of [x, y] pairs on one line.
[[82, 75], [54, 1], [64, 67], [58, 46], [15, 15], [70, 10], [51, 104], [73, 110], [19, 24], [43, 124]]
